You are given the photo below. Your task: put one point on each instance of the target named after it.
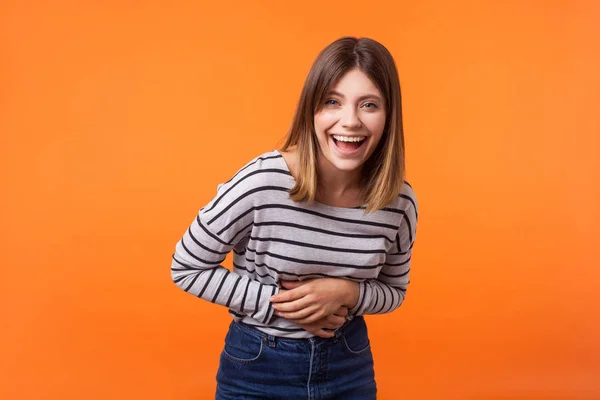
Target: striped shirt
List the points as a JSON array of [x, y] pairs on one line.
[[274, 238]]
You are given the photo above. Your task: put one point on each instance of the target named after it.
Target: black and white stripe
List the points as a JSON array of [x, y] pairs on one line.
[[274, 239]]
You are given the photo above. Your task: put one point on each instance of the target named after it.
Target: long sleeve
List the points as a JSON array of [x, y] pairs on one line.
[[223, 223], [387, 292]]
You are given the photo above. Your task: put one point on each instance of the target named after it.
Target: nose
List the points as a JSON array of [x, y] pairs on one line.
[[350, 118]]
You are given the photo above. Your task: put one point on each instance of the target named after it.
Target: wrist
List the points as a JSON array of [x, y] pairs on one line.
[[351, 293]]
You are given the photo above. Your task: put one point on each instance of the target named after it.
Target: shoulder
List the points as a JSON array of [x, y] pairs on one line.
[[406, 201], [405, 207], [236, 198], [257, 171], [408, 198], [290, 158]]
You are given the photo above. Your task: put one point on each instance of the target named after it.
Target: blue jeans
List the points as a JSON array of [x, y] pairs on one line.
[[255, 365]]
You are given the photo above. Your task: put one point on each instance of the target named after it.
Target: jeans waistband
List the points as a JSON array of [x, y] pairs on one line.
[[271, 338]]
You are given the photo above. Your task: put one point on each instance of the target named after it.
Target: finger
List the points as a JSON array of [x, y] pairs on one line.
[[325, 334], [304, 315], [293, 284], [338, 321], [312, 317], [342, 311], [293, 306], [331, 326], [325, 323], [288, 295], [317, 330]]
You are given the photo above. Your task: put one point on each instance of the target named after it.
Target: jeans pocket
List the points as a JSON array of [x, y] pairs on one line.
[[356, 339], [242, 347], [356, 348]]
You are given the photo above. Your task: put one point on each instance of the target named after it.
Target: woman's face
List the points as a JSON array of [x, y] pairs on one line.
[[351, 122]]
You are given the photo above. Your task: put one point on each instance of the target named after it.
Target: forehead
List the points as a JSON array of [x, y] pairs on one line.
[[355, 83]]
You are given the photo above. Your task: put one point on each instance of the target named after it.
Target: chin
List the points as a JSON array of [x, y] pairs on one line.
[[341, 164], [347, 165]]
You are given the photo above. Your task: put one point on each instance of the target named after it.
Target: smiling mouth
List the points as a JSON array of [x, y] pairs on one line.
[[348, 143]]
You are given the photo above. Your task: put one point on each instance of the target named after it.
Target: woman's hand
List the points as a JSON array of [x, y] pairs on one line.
[[312, 300], [330, 322]]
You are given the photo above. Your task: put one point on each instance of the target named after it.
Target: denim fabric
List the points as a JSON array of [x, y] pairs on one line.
[[255, 365]]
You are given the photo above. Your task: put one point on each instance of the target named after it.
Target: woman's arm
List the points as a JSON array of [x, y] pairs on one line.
[[387, 292], [311, 300], [196, 266], [308, 301]]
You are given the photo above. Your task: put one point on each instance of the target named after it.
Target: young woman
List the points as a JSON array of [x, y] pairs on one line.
[[322, 233]]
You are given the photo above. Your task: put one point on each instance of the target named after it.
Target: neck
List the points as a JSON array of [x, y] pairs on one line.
[[336, 183]]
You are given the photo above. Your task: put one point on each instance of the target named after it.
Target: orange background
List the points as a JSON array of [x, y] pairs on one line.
[[118, 120]]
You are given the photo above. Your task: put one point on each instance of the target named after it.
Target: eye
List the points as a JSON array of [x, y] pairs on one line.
[[331, 102], [370, 105]]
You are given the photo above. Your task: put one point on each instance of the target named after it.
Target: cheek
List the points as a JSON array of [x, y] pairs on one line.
[[323, 121], [375, 125]]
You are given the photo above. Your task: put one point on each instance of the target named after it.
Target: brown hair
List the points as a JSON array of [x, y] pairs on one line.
[[383, 172]]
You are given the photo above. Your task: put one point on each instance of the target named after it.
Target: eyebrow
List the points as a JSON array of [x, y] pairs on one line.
[[366, 96]]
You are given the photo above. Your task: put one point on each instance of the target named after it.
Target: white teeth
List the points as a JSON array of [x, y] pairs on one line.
[[349, 138]]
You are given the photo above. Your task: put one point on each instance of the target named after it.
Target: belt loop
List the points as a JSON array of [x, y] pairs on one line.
[[338, 335], [271, 339]]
